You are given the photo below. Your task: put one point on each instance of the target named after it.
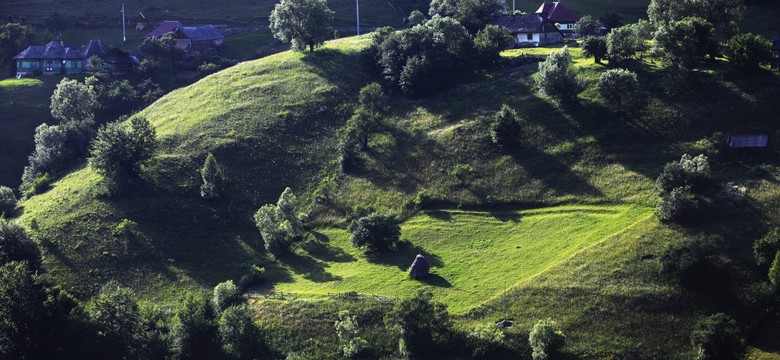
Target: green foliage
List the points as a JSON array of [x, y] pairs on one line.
[[375, 232], [365, 121], [489, 42], [212, 177], [765, 247], [587, 26], [748, 51], [722, 14], [595, 47], [678, 205], [622, 44], [208, 68], [56, 146], [16, 245], [556, 78], [546, 340], [164, 52], [7, 201], [278, 224], [687, 42], [194, 334], [13, 39], [73, 101], [24, 320], [462, 174], [611, 20], [115, 315], [423, 323], [774, 271], [302, 23], [685, 260], [416, 17], [505, 128], [476, 14], [372, 98], [443, 8], [254, 276], [620, 89], [39, 185], [692, 171], [347, 330], [485, 340], [119, 150], [424, 58], [126, 228], [241, 339], [226, 294], [717, 337]]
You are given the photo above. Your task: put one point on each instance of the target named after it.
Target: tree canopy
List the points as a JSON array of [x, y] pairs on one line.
[[302, 23]]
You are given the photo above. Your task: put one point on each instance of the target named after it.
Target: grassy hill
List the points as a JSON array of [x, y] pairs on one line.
[[575, 198]]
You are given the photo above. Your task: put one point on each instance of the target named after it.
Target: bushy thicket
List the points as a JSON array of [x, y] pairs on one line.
[[120, 149], [473, 14], [348, 331], [489, 42], [718, 337], [546, 340], [485, 341], [375, 232], [686, 42], [16, 245], [678, 205], [424, 324], [679, 184], [226, 294], [748, 51], [278, 224]]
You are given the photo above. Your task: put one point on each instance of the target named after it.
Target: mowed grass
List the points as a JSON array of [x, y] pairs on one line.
[[18, 83], [474, 255]]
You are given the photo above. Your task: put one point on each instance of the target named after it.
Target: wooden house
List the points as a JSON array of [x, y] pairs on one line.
[[559, 15], [190, 38], [118, 61], [530, 29], [51, 59]]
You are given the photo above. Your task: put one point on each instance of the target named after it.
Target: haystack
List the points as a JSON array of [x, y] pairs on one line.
[[419, 268]]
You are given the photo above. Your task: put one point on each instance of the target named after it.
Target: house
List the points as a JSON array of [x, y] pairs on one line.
[[560, 15], [118, 61], [50, 59], [189, 38], [776, 52], [94, 47], [530, 29]]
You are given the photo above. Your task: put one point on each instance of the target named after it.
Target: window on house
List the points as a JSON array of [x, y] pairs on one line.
[[530, 36], [49, 66]]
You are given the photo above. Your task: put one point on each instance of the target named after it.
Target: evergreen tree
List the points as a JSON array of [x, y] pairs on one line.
[[212, 178]]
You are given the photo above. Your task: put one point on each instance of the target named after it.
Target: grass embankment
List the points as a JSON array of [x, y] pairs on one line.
[[474, 255]]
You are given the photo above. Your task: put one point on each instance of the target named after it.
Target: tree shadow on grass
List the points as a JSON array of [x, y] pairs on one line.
[[322, 250], [309, 267], [505, 216], [436, 280], [345, 69], [440, 215]]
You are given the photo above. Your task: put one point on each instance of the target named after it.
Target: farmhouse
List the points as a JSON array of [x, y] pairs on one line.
[[190, 38], [559, 15], [530, 29], [118, 61], [50, 59], [776, 52]]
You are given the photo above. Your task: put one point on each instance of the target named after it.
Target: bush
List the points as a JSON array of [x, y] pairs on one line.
[[546, 340], [679, 205], [208, 68], [748, 51], [505, 127], [194, 334], [7, 201], [375, 232], [717, 337], [765, 248], [620, 89], [347, 330], [119, 150], [423, 323], [685, 260], [587, 26], [253, 277], [689, 171], [226, 294], [485, 340], [462, 174], [241, 339], [687, 41], [117, 318], [39, 185], [556, 78], [622, 44], [595, 47], [416, 17], [73, 101], [212, 177], [489, 42], [16, 245], [278, 224], [56, 147]]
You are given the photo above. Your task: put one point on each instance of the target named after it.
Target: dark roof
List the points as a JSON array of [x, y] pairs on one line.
[[557, 12], [525, 23], [202, 33], [94, 47], [164, 28], [116, 56], [55, 50], [183, 43], [748, 141]]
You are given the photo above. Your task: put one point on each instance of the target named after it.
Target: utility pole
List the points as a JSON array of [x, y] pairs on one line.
[[357, 10], [124, 30], [513, 7]]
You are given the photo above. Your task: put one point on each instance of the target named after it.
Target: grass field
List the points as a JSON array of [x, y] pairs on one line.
[[474, 255]]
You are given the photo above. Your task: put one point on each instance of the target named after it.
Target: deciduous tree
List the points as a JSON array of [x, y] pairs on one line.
[[302, 23]]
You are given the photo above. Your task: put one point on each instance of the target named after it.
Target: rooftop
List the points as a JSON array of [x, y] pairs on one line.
[[748, 141], [525, 23], [202, 33], [164, 28], [557, 12], [55, 50]]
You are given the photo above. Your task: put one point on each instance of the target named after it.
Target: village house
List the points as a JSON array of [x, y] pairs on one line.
[[50, 59], [190, 38], [530, 29], [559, 15]]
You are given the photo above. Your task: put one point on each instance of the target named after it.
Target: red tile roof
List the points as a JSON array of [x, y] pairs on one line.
[[557, 12]]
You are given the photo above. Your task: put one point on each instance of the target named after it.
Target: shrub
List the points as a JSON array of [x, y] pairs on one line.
[[748, 51], [595, 47], [689, 171], [212, 177], [765, 248], [16, 245], [556, 78], [73, 101], [56, 147], [545, 340], [115, 314], [485, 340], [349, 153], [226, 294], [194, 334], [774, 271], [241, 339], [620, 89], [375, 232], [7, 201], [489, 42], [505, 127], [622, 44], [347, 330], [685, 259], [39, 185], [278, 224], [254, 276], [424, 198], [422, 323], [679, 205], [462, 174], [119, 150], [208, 68], [717, 337]]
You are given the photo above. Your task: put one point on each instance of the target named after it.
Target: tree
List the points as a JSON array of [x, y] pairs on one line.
[[765, 247], [162, 50], [241, 339], [722, 14], [489, 42], [367, 116], [774, 271], [545, 340], [375, 232], [372, 98], [73, 101], [347, 330], [692, 171], [13, 39], [556, 77], [485, 340], [422, 322], [416, 17], [717, 337], [505, 127], [119, 150], [475, 14], [226, 294], [595, 47], [194, 332], [462, 174], [115, 315], [212, 177], [587, 26], [748, 51], [687, 41], [55, 147], [16, 245], [619, 88], [278, 224], [7, 201], [24, 316], [302, 23], [612, 20], [443, 8], [622, 44], [678, 205]]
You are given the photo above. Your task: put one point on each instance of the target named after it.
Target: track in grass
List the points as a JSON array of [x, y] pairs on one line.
[[474, 255]]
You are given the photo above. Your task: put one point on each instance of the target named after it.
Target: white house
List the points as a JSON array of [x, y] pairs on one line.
[[530, 29], [558, 14]]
